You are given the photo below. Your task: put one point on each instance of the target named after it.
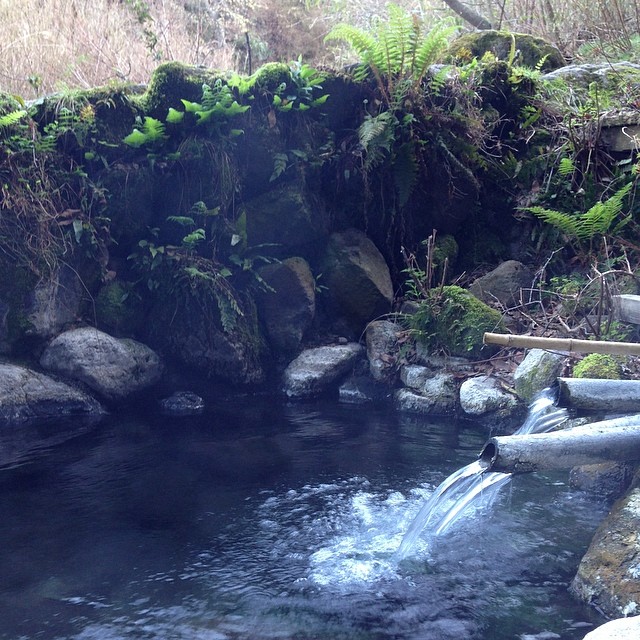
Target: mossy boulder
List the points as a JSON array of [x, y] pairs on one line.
[[97, 119], [598, 365], [286, 221], [529, 50], [452, 319], [172, 82], [609, 573], [538, 370]]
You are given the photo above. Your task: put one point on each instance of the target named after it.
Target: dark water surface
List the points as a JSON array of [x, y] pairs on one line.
[[263, 521]]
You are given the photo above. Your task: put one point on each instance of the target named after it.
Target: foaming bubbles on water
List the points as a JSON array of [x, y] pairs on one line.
[[346, 533]]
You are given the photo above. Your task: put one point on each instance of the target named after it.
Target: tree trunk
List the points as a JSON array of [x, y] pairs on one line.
[[468, 14]]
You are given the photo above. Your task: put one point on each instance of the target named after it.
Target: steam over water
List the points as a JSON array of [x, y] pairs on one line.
[[260, 521]]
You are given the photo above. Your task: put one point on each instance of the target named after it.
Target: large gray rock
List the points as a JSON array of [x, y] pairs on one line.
[[609, 573], [426, 391], [28, 396], [191, 330], [317, 371], [483, 395], [605, 74], [621, 629], [539, 370], [288, 310], [113, 367], [286, 221], [504, 284], [358, 281], [382, 346], [55, 302]]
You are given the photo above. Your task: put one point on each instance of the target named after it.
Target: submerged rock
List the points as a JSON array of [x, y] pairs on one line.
[[182, 403], [608, 480], [316, 371], [361, 389], [29, 396], [112, 367]]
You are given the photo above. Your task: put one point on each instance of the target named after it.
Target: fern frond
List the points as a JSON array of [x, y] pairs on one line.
[[432, 46], [11, 118], [600, 218], [567, 223], [566, 167], [153, 129], [405, 172], [359, 40], [377, 135]]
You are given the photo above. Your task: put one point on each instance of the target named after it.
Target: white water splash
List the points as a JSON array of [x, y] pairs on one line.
[[472, 488]]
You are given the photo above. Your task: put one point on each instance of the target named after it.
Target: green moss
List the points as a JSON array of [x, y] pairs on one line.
[[454, 320], [446, 249], [529, 49], [118, 309], [173, 81], [9, 103], [270, 76], [598, 365]]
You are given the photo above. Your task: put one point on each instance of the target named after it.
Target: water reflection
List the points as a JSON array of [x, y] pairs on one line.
[[267, 521]]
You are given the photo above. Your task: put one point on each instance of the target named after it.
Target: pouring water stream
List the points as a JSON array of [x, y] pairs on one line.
[[457, 493]]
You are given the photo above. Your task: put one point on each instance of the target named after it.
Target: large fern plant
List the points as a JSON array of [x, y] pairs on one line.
[[398, 49], [604, 218], [397, 53]]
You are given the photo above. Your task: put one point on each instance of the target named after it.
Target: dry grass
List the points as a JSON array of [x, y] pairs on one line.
[[49, 45]]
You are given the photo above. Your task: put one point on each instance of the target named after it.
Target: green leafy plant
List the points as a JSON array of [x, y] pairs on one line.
[[604, 218], [150, 132], [216, 108], [301, 93], [9, 119], [452, 319], [396, 50]]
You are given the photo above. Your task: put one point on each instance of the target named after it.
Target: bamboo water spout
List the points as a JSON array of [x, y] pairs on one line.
[[608, 440]]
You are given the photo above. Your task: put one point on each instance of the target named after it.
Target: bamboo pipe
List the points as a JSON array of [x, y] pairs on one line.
[[609, 440], [563, 344]]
